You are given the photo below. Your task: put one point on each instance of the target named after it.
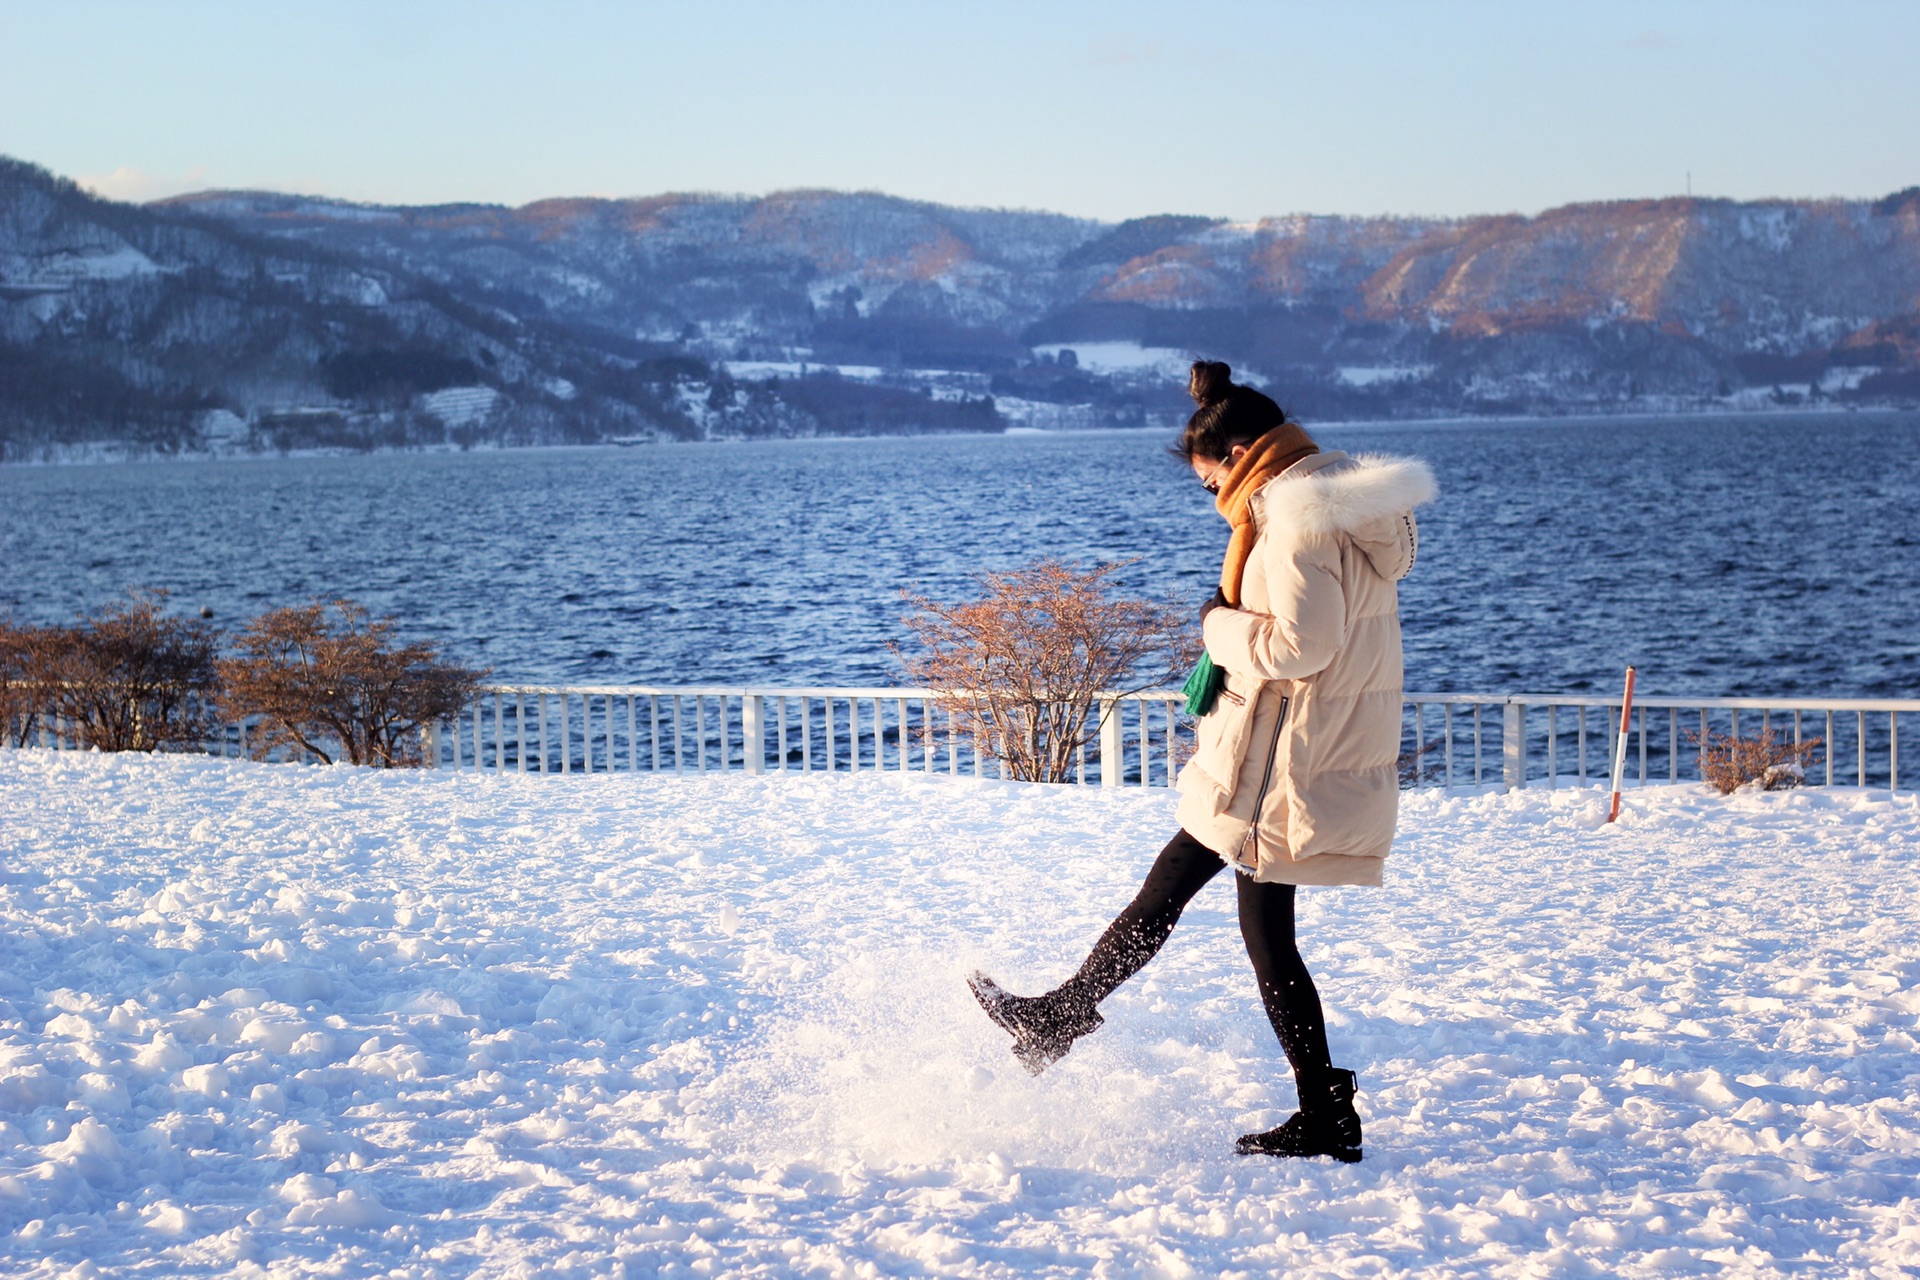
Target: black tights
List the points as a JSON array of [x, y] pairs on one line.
[[1266, 924]]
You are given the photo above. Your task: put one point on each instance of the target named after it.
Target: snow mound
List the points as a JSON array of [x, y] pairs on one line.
[[293, 1019]]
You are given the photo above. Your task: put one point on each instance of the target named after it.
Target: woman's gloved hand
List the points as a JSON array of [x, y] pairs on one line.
[[1217, 600]]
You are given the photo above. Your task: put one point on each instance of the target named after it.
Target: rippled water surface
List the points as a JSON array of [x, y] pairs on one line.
[[1772, 555]]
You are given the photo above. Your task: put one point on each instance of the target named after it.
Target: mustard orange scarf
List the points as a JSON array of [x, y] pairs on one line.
[[1264, 459]]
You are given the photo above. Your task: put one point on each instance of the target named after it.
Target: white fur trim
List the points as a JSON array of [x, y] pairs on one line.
[[1347, 495]]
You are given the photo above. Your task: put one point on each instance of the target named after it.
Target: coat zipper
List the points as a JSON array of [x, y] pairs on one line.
[[1266, 782]]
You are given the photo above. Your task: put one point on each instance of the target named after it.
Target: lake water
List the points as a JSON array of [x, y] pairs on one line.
[[1769, 555]]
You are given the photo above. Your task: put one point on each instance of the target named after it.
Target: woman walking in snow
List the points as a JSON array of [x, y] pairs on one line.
[[1294, 781]]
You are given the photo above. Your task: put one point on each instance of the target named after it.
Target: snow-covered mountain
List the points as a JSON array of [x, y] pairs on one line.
[[163, 329], [814, 311]]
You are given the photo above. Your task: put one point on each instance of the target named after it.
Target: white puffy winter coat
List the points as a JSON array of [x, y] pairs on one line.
[[1295, 778]]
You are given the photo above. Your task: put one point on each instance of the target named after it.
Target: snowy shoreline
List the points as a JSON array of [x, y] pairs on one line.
[[107, 454], [264, 1019]]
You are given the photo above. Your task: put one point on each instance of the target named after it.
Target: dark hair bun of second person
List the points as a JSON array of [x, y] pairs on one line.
[[1209, 382]]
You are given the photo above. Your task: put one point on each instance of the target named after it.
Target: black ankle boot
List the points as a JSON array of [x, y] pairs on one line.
[[1043, 1027], [1325, 1125]]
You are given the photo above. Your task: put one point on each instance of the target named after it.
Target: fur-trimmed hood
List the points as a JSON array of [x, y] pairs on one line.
[[1369, 497]]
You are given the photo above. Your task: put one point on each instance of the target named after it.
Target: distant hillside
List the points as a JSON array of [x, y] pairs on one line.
[[242, 320], [167, 330]]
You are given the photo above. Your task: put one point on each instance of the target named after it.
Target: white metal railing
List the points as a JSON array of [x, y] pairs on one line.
[[1543, 737], [1458, 739], [643, 728], [1447, 739]]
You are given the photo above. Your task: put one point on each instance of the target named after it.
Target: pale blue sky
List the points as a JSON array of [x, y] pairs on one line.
[[1110, 110]]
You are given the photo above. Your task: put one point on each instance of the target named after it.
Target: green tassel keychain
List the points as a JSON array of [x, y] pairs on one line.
[[1204, 685]]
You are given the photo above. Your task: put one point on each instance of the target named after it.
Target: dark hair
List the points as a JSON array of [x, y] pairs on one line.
[[1229, 414]]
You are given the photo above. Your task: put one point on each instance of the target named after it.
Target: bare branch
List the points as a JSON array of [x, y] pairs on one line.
[[1019, 668]]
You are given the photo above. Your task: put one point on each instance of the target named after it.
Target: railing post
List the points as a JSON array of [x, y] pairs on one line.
[[753, 743], [1112, 756], [545, 747], [1513, 745]]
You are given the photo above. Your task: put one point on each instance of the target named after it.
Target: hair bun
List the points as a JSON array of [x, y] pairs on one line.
[[1209, 382]]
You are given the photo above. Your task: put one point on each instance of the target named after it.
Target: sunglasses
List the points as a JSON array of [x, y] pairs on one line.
[[1212, 483]]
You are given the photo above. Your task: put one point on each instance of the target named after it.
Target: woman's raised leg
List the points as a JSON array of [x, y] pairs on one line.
[[1045, 1027], [1138, 932]]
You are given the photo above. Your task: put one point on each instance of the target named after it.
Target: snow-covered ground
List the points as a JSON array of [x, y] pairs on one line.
[[260, 1019]]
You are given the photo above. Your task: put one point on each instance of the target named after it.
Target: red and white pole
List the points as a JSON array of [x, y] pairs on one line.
[[1620, 746]]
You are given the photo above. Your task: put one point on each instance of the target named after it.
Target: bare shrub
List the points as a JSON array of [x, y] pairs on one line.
[[22, 697], [1019, 668], [126, 678], [1729, 763], [333, 681]]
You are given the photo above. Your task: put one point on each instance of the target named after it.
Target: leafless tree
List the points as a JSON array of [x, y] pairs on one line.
[[334, 681], [1019, 669], [126, 678]]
